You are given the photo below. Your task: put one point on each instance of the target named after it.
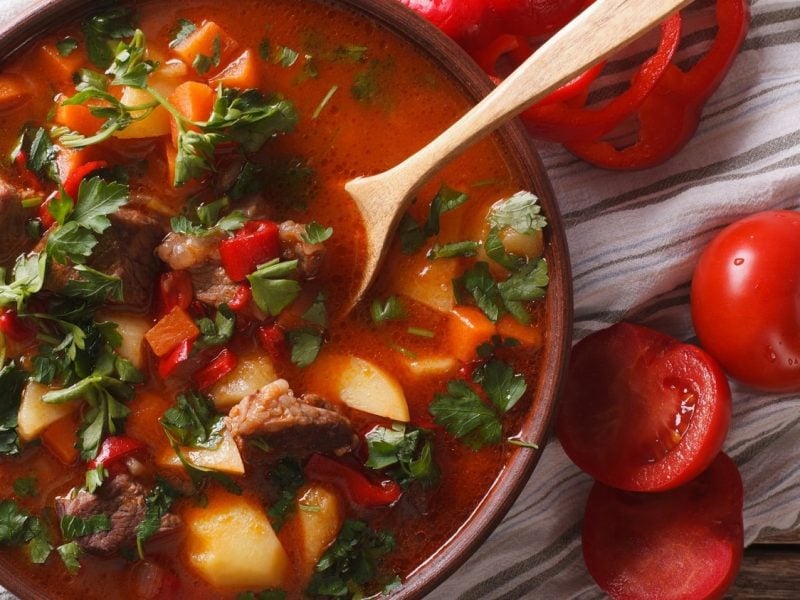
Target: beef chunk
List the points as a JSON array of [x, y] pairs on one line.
[[309, 256], [13, 217], [291, 426], [199, 255], [123, 500], [126, 250]]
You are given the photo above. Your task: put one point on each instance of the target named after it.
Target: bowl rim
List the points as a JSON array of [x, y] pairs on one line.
[[524, 160]]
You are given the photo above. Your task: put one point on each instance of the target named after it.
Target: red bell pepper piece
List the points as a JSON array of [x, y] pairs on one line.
[[273, 340], [113, 451], [73, 183], [45, 216], [170, 362], [221, 365], [241, 299], [29, 178], [671, 114], [355, 485], [174, 289], [256, 243], [13, 327], [563, 122]]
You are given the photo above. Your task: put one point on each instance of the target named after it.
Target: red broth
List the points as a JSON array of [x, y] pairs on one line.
[[405, 101]]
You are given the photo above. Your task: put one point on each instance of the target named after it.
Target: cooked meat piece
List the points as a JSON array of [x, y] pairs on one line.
[[309, 256], [212, 284], [123, 500], [126, 250], [291, 426], [13, 240]]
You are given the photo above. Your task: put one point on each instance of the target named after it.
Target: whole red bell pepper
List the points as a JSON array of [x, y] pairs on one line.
[[113, 451], [354, 484], [254, 244], [670, 115], [220, 365]]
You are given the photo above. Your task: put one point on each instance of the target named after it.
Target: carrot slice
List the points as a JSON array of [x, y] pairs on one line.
[[142, 422], [527, 335], [60, 438], [194, 100], [241, 73], [175, 327], [78, 117], [56, 67], [468, 328], [209, 41]]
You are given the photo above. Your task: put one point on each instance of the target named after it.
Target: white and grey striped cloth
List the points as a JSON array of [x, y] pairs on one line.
[[634, 239]]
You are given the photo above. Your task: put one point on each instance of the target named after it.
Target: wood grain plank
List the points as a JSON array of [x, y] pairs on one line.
[[769, 572]]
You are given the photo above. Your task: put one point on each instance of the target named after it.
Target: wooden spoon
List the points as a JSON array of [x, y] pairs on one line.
[[598, 32]]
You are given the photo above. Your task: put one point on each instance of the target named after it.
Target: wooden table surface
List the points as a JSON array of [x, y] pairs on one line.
[[771, 569]]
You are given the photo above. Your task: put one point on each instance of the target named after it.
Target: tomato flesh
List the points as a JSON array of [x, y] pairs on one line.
[[746, 300], [642, 411], [685, 543]]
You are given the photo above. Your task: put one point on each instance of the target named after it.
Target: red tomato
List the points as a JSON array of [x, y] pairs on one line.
[[642, 411], [682, 544], [746, 300]]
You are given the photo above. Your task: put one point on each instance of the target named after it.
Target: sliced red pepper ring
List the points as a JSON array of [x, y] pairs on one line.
[[73, 183], [670, 115], [561, 122], [114, 450], [219, 367], [356, 486], [256, 243]]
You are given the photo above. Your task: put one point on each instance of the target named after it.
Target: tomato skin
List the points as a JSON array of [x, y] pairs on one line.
[[746, 300], [642, 411], [685, 543]]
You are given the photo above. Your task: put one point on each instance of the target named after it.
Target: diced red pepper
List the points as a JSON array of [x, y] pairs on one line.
[[13, 327], [221, 365], [168, 364], [45, 216], [113, 451], [256, 243], [242, 298], [273, 340], [353, 483], [73, 183], [174, 289]]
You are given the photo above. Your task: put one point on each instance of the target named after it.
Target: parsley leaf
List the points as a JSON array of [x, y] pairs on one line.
[[70, 554], [94, 478], [367, 83], [27, 279], [305, 344], [18, 527], [316, 233], [183, 29], [494, 248], [317, 313], [287, 477], [527, 284], [461, 412], [520, 212], [272, 292], [94, 286], [351, 562], [405, 452], [194, 422], [40, 152], [216, 332], [114, 24], [195, 155], [202, 63], [501, 384], [73, 526], [25, 487], [12, 381], [413, 235], [481, 286], [67, 46], [129, 67], [453, 250], [157, 504], [285, 56], [208, 219], [391, 309]]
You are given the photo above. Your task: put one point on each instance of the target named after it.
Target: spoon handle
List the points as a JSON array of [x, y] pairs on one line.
[[597, 33]]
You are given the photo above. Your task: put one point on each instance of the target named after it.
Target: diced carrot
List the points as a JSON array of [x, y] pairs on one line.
[[78, 117], [56, 67], [70, 159], [194, 100], [174, 328], [14, 91], [528, 336], [204, 41], [241, 73], [468, 328], [142, 422], [60, 438]]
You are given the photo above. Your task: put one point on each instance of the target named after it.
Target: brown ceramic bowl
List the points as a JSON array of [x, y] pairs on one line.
[[443, 52]]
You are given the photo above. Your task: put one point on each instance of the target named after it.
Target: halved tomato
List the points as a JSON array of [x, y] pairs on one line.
[[641, 410], [682, 544]]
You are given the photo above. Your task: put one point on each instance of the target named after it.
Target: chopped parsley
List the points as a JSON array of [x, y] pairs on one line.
[[27, 279], [455, 249], [404, 452], [73, 526], [194, 422], [316, 233], [272, 289], [317, 313], [12, 381], [183, 29], [520, 212], [203, 64], [100, 29], [19, 528], [391, 309], [94, 478], [66, 46], [25, 487], [157, 504], [305, 344], [216, 332], [413, 235], [287, 477], [94, 286], [40, 152], [285, 56], [70, 555]]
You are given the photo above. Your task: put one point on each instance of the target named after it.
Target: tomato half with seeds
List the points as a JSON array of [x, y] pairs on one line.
[[746, 300], [682, 544], [642, 411]]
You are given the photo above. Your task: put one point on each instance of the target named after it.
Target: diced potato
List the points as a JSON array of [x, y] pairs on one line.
[[468, 329], [156, 124], [529, 245], [431, 365], [231, 544], [428, 282], [359, 384], [132, 328], [35, 415], [319, 515], [250, 375], [225, 458]]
